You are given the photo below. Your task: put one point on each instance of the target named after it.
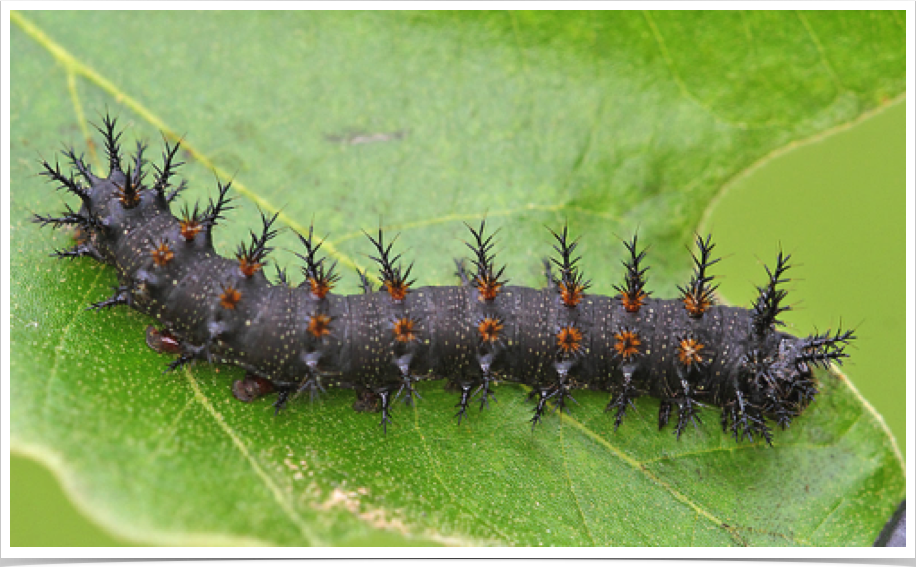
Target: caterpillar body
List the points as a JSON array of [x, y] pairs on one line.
[[687, 352]]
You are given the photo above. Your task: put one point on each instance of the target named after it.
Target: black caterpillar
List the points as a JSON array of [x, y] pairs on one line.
[[686, 352]]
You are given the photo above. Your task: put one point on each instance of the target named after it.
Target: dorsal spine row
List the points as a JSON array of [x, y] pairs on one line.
[[687, 351]]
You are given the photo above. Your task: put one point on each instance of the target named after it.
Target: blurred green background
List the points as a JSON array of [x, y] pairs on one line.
[[856, 179], [855, 167]]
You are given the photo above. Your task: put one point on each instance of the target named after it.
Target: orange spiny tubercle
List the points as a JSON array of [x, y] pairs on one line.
[[569, 340], [627, 345], [689, 350], [570, 285], [319, 325], [632, 293], [251, 257], [230, 297], [489, 329], [162, 254], [404, 330], [487, 280], [394, 280], [698, 294], [318, 277]]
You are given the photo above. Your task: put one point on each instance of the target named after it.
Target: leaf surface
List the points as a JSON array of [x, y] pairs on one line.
[[422, 121]]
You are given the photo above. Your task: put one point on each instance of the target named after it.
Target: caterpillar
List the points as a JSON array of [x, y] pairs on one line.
[[688, 352]]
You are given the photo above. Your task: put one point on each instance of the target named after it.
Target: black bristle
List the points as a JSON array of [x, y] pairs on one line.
[[823, 348], [543, 395], [89, 221], [385, 399], [65, 182], [698, 292], [214, 211], [622, 400], [139, 162], [112, 143], [767, 305], [571, 278], [364, 284], [463, 402], [164, 174], [316, 272], [77, 251], [633, 290], [255, 252], [462, 273], [390, 268], [281, 276], [121, 296], [176, 191], [191, 215], [129, 191], [81, 166], [686, 414], [487, 272]]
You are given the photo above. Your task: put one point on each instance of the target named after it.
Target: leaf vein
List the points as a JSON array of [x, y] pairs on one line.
[[572, 488], [679, 81], [62, 339], [636, 465], [821, 52], [73, 65], [281, 499]]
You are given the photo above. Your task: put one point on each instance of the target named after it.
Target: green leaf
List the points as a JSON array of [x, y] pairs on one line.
[[610, 121]]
